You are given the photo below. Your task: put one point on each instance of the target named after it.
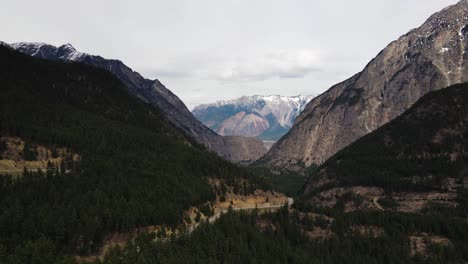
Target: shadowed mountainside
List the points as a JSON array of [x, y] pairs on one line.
[[156, 94]]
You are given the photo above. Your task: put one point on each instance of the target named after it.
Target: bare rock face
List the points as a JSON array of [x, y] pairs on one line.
[[428, 58], [242, 123], [240, 149], [155, 93]]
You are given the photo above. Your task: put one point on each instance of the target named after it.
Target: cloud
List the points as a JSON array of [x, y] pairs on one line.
[[167, 73], [275, 64]]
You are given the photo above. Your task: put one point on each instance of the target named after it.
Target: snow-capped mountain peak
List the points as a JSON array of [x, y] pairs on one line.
[[65, 52], [153, 92], [268, 116]]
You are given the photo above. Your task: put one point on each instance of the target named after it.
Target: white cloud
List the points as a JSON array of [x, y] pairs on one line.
[[209, 50], [274, 64]]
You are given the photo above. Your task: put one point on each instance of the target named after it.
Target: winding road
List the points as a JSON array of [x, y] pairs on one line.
[[216, 216], [375, 201]]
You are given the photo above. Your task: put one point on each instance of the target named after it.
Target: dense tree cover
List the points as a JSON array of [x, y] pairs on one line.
[[135, 170], [287, 182], [29, 152], [3, 146], [417, 151], [452, 224], [237, 238], [233, 239], [138, 170]]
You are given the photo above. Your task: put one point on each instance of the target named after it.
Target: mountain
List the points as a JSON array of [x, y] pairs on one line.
[[131, 167], [424, 151], [236, 149], [428, 58], [267, 117]]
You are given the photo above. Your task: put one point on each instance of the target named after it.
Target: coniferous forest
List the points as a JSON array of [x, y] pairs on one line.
[[241, 238], [135, 168], [99, 165], [417, 151]]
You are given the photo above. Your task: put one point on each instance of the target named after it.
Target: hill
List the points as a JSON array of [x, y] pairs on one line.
[[134, 168]]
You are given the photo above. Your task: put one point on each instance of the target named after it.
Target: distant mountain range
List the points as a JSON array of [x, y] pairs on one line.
[[267, 117], [237, 149]]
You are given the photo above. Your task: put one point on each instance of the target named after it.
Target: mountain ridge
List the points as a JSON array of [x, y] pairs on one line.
[[133, 167], [427, 58], [266, 116], [236, 149]]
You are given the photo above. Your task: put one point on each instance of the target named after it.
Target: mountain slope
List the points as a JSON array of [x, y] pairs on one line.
[[135, 169], [393, 196], [268, 117], [428, 58], [426, 148], [156, 94]]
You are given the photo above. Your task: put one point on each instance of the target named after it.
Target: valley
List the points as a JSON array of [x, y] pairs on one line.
[[268, 144], [101, 165]]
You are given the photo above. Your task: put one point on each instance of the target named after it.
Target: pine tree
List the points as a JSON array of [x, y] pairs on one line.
[[3, 146], [29, 152]]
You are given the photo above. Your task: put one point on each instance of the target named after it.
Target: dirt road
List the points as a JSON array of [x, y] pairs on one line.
[[260, 207]]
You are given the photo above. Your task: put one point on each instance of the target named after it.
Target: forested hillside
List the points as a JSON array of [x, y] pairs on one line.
[[291, 236], [153, 92], [423, 149], [135, 168]]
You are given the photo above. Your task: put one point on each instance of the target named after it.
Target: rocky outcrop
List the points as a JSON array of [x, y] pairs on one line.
[[268, 117], [156, 94], [428, 58]]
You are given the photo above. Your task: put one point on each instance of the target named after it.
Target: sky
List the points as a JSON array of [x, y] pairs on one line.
[[209, 50]]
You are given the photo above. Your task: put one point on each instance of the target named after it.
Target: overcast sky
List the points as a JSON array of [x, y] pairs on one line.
[[207, 50]]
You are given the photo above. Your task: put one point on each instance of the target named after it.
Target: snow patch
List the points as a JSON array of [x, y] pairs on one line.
[[443, 50], [462, 31], [367, 128], [37, 48], [285, 109]]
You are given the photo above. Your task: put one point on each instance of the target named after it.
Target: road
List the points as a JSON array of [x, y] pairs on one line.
[[377, 203], [260, 207]]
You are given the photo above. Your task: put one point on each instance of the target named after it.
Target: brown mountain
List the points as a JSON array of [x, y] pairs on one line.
[[428, 58], [268, 117]]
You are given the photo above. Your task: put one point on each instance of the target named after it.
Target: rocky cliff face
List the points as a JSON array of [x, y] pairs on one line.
[[428, 58], [156, 94], [249, 125], [268, 117]]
